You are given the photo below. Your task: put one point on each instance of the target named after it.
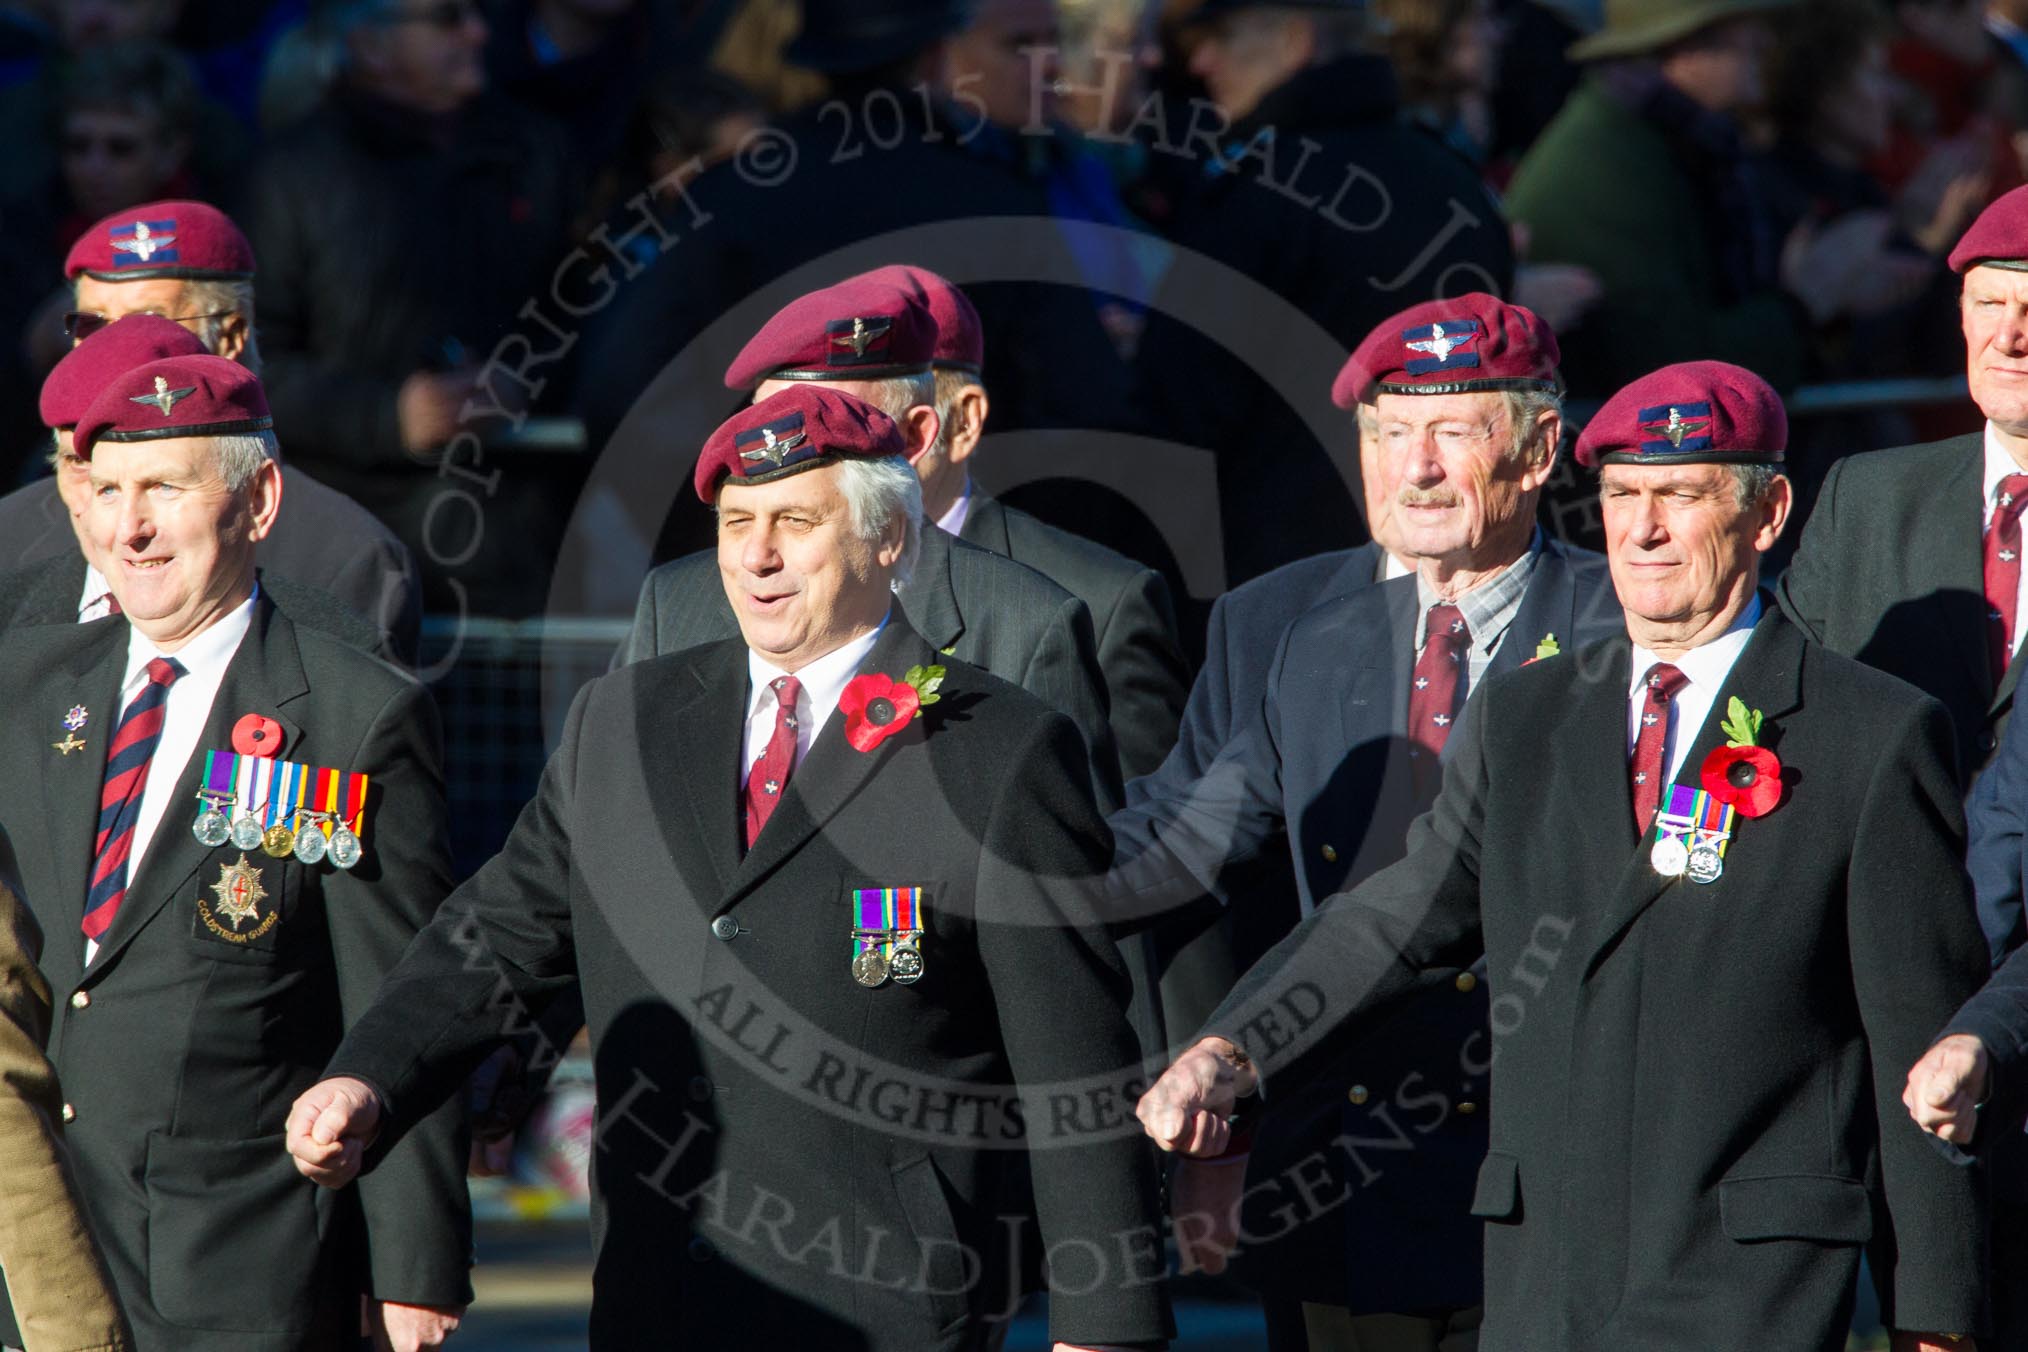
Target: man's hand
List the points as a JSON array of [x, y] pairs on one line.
[[1944, 1087], [428, 408], [1204, 1202], [1187, 1108], [1930, 1342], [330, 1127], [413, 1328]]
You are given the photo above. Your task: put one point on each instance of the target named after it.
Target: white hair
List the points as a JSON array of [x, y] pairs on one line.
[[220, 300], [1524, 411], [241, 455], [875, 492], [896, 395]]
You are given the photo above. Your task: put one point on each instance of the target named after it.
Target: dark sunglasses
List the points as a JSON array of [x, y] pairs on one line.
[[79, 325], [445, 14]]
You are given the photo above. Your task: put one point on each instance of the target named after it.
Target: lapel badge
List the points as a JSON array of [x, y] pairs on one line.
[[240, 894], [887, 935], [72, 722], [75, 719]]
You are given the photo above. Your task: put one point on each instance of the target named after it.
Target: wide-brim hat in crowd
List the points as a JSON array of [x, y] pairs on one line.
[[1638, 27], [841, 36]]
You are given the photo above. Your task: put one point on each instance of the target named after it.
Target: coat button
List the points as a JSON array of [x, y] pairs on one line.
[[1467, 983], [81, 1000], [700, 1250], [69, 1113], [1330, 853], [1987, 742], [725, 927], [1468, 1107], [1357, 1093], [700, 1088]]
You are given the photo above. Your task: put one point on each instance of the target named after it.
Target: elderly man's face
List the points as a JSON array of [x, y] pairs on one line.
[[1457, 488], [1994, 312], [1684, 553], [991, 62], [74, 486], [801, 580], [176, 545]]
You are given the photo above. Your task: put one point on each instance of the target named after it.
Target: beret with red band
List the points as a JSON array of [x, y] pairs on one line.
[[1460, 346], [860, 329], [200, 396], [802, 427], [72, 384], [961, 338], [1998, 238], [1696, 412], [190, 240]]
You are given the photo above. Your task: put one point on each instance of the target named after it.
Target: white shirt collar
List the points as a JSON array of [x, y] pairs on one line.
[[823, 680], [209, 652], [1999, 464], [1709, 664], [1392, 567], [92, 601], [952, 522]]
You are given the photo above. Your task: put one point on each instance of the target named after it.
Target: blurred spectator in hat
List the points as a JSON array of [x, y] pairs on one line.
[[400, 226], [1310, 186], [184, 266], [1645, 177]]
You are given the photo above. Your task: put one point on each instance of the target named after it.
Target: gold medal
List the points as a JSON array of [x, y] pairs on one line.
[[869, 967], [279, 840]]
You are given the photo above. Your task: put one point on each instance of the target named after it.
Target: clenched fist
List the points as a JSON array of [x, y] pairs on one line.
[[1186, 1110], [1945, 1087], [330, 1127]]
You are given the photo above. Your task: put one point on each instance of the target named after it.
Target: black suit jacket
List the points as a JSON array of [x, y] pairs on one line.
[[322, 540], [1318, 768], [1696, 1119], [1890, 571], [969, 603], [1134, 621], [180, 1052], [783, 1151]]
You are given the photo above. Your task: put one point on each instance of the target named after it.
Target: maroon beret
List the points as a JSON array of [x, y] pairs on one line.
[[961, 340], [801, 427], [1695, 412], [1998, 238], [860, 329], [198, 396], [163, 239], [112, 351], [1459, 346]]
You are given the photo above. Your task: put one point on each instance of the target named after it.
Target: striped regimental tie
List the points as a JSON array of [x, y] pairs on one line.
[[127, 760]]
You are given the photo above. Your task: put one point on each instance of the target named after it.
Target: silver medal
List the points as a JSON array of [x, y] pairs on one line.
[[248, 833], [310, 845], [1670, 857], [211, 828], [1705, 864], [905, 966], [345, 848]]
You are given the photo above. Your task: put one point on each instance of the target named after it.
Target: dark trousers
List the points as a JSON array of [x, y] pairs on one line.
[[1293, 1326]]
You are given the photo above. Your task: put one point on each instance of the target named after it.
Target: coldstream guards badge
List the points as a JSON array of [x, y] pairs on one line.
[[240, 895]]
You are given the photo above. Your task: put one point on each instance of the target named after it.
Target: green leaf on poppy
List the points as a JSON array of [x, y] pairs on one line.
[[932, 678], [928, 699], [1742, 725], [913, 676]]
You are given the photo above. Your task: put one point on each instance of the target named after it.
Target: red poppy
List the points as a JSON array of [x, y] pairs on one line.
[[257, 736], [875, 708], [1745, 778]]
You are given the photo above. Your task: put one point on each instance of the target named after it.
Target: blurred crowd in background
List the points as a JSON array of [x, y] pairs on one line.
[[415, 173]]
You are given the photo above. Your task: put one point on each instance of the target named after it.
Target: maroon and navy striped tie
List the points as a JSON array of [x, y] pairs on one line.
[[127, 759]]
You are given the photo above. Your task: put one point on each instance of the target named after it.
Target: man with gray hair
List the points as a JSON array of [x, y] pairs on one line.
[[874, 341], [187, 262], [1342, 747], [228, 825], [828, 897]]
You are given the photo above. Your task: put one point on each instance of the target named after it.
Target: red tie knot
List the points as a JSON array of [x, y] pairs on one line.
[[1665, 680], [1447, 622], [163, 670]]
